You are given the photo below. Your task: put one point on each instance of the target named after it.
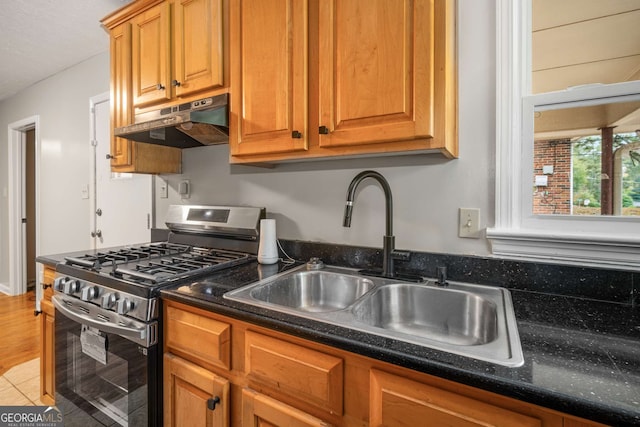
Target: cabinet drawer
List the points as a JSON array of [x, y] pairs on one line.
[[399, 401], [308, 375], [198, 338]]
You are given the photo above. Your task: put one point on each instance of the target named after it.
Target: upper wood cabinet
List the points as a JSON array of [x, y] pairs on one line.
[[162, 52], [322, 78], [150, 52], [177, 50], [269, 96]]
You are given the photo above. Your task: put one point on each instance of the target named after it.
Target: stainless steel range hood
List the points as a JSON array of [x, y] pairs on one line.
[[192, 124]]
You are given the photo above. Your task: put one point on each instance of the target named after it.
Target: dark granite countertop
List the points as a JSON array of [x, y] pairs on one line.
[[582, 357]]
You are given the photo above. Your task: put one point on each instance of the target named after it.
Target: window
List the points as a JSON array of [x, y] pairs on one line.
[[558, 62]]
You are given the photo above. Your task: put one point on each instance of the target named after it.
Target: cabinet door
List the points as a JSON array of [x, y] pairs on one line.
[[198, 49], [376, 71], [47, 359], [397, 401], [193, 396], [260, 410], [150, 56], [269, 95], [120, 92]]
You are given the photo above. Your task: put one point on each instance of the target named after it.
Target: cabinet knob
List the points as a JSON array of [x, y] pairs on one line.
[[323, 130], [296, 134], [175, 83], [109, 156], [159, 86], [212, 402]]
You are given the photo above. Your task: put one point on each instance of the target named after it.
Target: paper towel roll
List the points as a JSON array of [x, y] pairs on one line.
[[268, 249]]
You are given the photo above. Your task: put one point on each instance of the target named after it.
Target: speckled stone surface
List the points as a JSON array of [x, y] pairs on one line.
[[582, 356], [579, 327]]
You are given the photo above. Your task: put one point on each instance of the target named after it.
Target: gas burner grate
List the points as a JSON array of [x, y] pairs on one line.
[[125, 255], [193, 262]]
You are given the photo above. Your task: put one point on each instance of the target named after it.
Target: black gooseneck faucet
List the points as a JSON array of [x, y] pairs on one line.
[[388, 244]]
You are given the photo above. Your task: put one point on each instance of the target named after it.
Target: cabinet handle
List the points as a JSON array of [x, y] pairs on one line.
[[159, 86], [46, 285], [175, 83], [212, 402], [36, 313], [296, 134], [109, 156], [323, 130]]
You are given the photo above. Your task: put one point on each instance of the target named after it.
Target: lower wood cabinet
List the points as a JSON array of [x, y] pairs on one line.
[[47, 340], [399, 401], [273, 379], [261, 410], [193, 396]]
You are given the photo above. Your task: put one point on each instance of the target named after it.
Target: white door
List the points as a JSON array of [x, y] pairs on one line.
[[121, 208]]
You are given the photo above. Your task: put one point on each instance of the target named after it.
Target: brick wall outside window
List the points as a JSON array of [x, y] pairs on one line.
[[555, 198]]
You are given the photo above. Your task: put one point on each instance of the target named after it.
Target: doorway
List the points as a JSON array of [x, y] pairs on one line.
[[24, 146], [30, 206]]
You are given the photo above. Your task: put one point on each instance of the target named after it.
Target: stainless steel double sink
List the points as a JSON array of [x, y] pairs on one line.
[[466, 319]]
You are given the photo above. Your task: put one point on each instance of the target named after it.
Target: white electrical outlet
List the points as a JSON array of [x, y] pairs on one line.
[[184, 189], [469, 223], [164, 188]]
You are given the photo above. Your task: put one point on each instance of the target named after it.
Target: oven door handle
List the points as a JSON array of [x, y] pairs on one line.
[[124, 331]]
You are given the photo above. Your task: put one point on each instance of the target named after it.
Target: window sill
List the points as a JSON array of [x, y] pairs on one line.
[[569, 249]]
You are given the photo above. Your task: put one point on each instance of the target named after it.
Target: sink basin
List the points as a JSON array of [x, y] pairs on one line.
[[466, 319], [445, 315], [313, 291]]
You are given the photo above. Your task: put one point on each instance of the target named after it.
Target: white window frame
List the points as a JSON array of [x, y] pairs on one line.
[[611, 242]]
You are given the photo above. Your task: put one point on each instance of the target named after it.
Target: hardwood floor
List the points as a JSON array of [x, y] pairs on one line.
[[19, 330]]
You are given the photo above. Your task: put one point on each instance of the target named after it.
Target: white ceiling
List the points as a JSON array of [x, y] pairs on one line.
[[39, 38]]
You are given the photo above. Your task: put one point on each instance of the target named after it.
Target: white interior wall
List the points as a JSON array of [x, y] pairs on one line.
[[62, 103], [307, 199]]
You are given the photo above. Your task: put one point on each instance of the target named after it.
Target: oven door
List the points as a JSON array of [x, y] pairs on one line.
[[100, 376]]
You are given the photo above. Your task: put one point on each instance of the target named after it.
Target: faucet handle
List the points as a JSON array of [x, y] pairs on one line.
[[401, 255]]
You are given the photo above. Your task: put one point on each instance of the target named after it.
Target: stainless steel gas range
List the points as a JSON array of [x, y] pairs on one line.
[[107, 331]]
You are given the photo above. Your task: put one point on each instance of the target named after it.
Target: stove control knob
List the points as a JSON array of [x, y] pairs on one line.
[[72, 286], [58, 283], [109, 299], [89, 293], [124, 306]]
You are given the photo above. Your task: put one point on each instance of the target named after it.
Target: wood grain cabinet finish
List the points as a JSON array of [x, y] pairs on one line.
[[269, 98], [401, 402], [150, 53], [202, 338], [177, 50], [198, 59], [193, 396], [47, 339], [260, 410], [120, 93], [277, 379], [325, 78], [296, 371]]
